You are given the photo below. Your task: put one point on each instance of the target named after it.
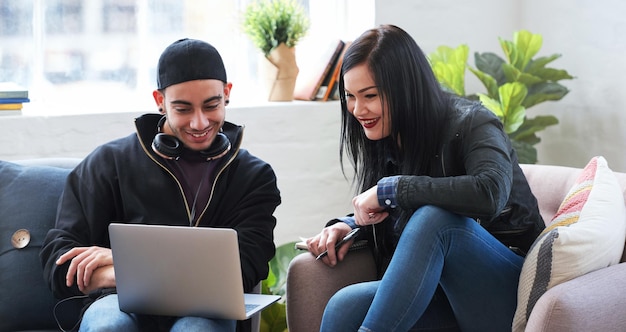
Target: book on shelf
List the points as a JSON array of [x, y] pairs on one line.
[[9, 107], [10, 112], [314, 73], [332, 86], [14, 100], [323, 89], [12, 90]]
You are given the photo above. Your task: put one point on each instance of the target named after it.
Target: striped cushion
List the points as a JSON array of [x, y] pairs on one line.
[[586, 234]]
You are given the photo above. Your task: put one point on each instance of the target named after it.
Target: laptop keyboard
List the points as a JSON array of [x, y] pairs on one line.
[[250, 307]]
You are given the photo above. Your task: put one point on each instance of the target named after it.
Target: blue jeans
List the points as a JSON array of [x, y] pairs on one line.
[[476, 274], [105, 315]]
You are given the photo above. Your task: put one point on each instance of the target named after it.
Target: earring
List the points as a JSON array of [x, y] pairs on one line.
[[226, 102]]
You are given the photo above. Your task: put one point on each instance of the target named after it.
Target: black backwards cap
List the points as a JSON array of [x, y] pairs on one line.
[[188, 60]]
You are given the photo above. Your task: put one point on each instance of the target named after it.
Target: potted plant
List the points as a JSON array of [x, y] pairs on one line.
[[274, 318], [275, 27], [512, 86]]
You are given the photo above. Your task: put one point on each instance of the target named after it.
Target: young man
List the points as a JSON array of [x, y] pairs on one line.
[[183, 166]]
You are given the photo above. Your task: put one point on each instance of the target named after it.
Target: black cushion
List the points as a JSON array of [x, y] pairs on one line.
[[28, 200]]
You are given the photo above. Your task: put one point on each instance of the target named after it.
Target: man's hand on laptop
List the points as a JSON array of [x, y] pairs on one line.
[[90, 267]]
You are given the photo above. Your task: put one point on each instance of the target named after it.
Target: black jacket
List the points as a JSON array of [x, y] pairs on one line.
[[476, 174], [124, 180]]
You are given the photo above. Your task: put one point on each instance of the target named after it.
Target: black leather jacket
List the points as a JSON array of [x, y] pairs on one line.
[[476, 174]]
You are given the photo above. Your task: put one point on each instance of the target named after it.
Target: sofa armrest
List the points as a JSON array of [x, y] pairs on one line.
[[311, 283], [592, 302]]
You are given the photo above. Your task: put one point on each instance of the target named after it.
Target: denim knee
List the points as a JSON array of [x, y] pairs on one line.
[[190, 324], [346, 309], [430, 220], [105, 315]]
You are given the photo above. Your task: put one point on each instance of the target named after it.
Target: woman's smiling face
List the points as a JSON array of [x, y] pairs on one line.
[[365, 102]]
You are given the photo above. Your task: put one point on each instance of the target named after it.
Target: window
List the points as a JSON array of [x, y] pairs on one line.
[[92, 56]]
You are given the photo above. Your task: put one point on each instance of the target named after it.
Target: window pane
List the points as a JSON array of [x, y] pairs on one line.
[[166, 16], [15, 18], [16, 46], [64, 17], [80, 56]]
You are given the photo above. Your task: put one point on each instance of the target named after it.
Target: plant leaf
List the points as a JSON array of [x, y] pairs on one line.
[[488, 81], [268, 23], [448, 65], [541, 92], [279, 265], [526, 153], [510, 52], [537, 68], [492, 105], [551, 74], [491, 64], [269, 282], [527, 46], [528, 79], [511, 96], [540, 62], [274, 318], [510, 72], [449, 79], [515, 75], [514, 119], [526, 132]]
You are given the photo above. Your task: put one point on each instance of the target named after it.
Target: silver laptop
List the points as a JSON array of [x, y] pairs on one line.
[[181, 271]]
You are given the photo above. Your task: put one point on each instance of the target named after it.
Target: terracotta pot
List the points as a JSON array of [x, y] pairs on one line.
[[280, 72]]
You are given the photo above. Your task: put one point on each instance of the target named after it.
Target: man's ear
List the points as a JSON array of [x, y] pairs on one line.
[[158, 99], [227, 87]]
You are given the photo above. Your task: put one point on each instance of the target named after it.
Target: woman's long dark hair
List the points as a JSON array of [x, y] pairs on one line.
[[417, 107]]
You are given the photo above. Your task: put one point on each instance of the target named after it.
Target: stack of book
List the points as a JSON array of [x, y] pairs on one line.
[[12, 98], [318, 79]]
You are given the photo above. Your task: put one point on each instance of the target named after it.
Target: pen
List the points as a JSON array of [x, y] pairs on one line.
[[347, 238]]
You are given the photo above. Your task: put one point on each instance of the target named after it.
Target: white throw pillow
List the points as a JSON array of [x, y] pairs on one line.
[[586, 234]]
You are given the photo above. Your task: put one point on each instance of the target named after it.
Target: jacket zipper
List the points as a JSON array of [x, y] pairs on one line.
[[215, 182], [443, 163], [180, 187]]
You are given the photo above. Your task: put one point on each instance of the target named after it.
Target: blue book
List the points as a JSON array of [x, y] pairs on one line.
[[13, 100]]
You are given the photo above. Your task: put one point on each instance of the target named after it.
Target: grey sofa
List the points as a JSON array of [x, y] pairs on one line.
[[593, 302], [28, 204]]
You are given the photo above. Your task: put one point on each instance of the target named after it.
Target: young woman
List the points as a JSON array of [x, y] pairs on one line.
[[443, 202]]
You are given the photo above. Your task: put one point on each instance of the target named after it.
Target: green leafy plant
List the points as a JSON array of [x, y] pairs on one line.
[[512, 85], [274, 318], [268, 23]]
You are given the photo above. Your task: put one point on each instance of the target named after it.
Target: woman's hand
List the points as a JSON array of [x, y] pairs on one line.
[[90, 267], [366, 208], [326, 239]]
